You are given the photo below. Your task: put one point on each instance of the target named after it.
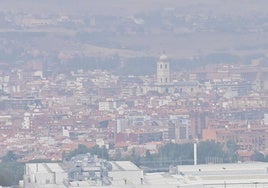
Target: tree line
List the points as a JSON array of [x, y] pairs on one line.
[[183, 154]]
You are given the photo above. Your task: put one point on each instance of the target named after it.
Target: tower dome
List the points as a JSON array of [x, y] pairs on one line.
[[163, 57]]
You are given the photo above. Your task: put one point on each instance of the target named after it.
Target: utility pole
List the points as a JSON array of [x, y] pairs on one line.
[[195, 153]]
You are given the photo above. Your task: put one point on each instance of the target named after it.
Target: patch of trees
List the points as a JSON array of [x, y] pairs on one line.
[[128, 66], [203, 61], [183, 154], [258, 156], [11, 171], [143, 65], [101, 152], [138, 66], [91, 63]]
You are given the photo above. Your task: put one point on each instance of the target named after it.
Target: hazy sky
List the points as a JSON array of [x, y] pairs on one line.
[[132, 6], [198, 42]]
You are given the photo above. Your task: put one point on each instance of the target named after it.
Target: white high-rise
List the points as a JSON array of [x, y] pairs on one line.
[[163, 70]]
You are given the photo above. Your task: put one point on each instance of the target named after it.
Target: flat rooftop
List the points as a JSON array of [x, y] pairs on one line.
[[221, 169], [45, 167], [124, 166]]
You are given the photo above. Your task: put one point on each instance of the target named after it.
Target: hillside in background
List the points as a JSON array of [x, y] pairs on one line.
[[192, 33]]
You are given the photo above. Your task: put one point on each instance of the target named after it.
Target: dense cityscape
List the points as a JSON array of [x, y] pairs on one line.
[[106, 94], [57, 113], [45, 117]]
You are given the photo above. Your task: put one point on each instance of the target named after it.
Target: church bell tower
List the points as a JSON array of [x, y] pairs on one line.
[[163, 70]]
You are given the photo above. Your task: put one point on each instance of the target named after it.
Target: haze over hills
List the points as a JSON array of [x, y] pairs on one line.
[[235, 31]]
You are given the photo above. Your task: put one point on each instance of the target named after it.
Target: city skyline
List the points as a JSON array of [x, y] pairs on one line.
[[159, 84]]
